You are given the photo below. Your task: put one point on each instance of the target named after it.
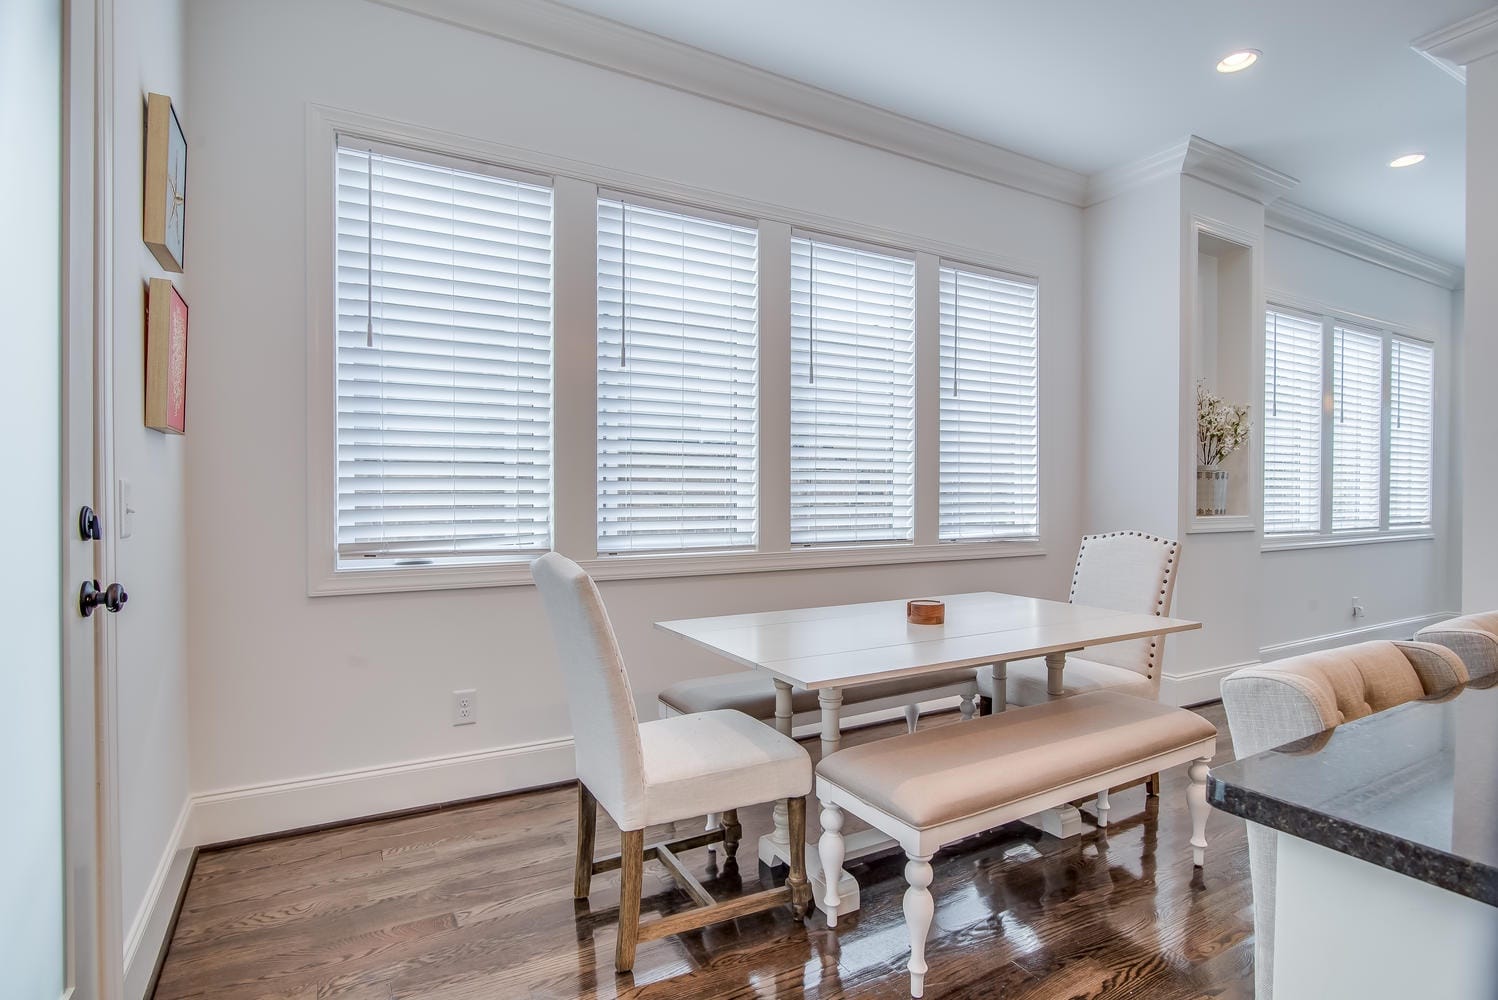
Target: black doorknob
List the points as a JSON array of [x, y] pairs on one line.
[[110, 598]]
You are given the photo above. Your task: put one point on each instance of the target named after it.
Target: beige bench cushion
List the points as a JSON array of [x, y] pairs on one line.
[[1028, 680], [939, 776], [753, 692]]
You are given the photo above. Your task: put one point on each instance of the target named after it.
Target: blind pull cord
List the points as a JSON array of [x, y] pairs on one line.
[[1274, 380], [811, 326], [624, 287], [369, 248]]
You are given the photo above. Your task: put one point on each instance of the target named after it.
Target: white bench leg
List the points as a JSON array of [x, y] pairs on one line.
[[912, 717], [919, 909], [1196, 799], [1102, 809], [968, 707], [830, 847]]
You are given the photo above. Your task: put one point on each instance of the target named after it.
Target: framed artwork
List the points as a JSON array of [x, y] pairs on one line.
[[166, 358], [165, 216]]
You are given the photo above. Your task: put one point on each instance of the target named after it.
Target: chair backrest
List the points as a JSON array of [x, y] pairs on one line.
[[1472, 637], [1128, 571], [1271, 705], [605, 726]]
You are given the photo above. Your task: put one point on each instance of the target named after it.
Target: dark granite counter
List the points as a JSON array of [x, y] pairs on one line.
[[1413, 790]]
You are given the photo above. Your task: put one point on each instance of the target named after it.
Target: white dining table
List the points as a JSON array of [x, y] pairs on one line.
[[827, 649]]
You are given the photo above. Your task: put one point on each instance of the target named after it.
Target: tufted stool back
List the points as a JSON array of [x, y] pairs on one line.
[[1472, 637], [1271, 705], [1127, 571]]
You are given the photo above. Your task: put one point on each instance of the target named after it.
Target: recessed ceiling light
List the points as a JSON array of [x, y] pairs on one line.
[[1235, 61], [1407, 160]]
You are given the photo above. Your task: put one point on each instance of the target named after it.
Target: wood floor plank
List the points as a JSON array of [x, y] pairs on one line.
[[473, 902]]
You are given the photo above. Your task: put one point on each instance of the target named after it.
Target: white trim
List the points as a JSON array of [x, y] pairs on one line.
[[574, 34], [1453, 47], [1402, 629], [1290, 543], [280, 806], [1313, 227], [1199, 686], [1216, 524], [1196, 157], [151, 927]]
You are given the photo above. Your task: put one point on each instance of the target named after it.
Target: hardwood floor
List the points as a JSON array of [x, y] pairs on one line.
[[475, 901]]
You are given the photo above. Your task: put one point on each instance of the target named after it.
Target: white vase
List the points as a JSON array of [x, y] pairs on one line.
[[1211, 491]]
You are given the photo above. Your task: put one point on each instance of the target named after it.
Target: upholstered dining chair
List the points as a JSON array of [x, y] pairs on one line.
[[662, 771], [1121, 571], [1271, 705], [1472, 637]]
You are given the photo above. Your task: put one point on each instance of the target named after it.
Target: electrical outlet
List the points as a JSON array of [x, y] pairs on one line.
[[465, 707], [1358, 610]]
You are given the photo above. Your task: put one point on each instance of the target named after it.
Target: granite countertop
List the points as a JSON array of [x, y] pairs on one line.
[[1413, 789]]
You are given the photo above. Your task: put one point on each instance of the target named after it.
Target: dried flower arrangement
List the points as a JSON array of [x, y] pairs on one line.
[[1221, 427]]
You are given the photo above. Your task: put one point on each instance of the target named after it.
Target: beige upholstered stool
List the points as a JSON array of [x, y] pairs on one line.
[[1472, 637], [1271, 705], [934, 787], [661, 771]]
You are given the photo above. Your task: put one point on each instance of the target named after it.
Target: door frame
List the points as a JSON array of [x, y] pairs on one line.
[[94, 965]]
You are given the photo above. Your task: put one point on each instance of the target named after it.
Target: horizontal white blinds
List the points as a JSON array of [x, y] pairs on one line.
[[1357, 429], [1292, 423], [676, 380], [990, 477], [1411, 428], [443, 359], [852, 394]]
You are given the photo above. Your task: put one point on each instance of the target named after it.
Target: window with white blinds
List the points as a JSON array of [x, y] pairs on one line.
[[1411, 432], [852, 465], [1292, 423], [443, 358], [990, 459], [676, 380], [1357, 429]]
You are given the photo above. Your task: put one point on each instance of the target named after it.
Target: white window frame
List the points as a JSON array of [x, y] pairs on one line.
[[1387, 331], [576, 187]]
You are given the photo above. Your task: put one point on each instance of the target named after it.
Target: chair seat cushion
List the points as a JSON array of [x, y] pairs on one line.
[[1027, 681], [714, 761], [943, 775], [753, 692]]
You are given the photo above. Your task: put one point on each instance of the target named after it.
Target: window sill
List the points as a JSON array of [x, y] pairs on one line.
[[516, 572], [1337, 541]]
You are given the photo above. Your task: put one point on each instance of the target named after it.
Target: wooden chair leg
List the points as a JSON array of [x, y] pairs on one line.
[[631, 885], [1152, 786], [800, 888], [587, 825], [732, 833]]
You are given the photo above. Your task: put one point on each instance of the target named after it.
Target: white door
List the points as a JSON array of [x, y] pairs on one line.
[[50, 901]]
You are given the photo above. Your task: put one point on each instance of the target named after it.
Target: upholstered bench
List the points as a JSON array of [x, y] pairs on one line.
[[930, 788]]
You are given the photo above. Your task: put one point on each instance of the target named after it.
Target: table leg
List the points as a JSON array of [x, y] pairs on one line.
[[999, 673], [1055, 663], [831, 700], [775, 846]]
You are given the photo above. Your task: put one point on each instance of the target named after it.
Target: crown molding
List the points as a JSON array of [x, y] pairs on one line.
[[1194, 156], [574, 34], [1299, 221], [1468, 40]]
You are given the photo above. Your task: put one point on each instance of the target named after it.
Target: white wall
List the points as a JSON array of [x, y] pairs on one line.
[[1480, 343], [152, 564], [1308, 592], [31, 590], [289, 687]]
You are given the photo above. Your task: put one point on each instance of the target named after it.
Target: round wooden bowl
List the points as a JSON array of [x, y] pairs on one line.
[[925, 612]]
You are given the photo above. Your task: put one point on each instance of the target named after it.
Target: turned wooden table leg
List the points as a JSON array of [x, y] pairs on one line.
[[1055, 665]]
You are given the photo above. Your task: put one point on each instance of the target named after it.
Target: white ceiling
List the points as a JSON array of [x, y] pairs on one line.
[[1088, 84]]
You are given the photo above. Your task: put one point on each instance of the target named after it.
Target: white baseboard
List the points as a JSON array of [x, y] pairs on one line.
[[1197, 687], [277, 807], [1403, 628], [152, 924]]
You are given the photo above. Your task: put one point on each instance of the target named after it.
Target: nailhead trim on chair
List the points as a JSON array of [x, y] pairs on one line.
[[1170, 561]]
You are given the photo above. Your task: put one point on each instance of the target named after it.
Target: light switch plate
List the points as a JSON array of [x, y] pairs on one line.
[[127, 508]]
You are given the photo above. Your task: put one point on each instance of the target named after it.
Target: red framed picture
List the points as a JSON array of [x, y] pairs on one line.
[[166, 358]]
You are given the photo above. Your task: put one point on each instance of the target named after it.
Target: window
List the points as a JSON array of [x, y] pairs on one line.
[[676, 380], [1292, 423], [443, 358], [990, 477], [852, 461], [1411, 425], [1362, 463]]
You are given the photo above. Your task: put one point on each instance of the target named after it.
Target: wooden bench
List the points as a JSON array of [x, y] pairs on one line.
[[930, 788]]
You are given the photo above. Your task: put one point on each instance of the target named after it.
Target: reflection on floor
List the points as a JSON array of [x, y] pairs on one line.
[[475, 902]]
